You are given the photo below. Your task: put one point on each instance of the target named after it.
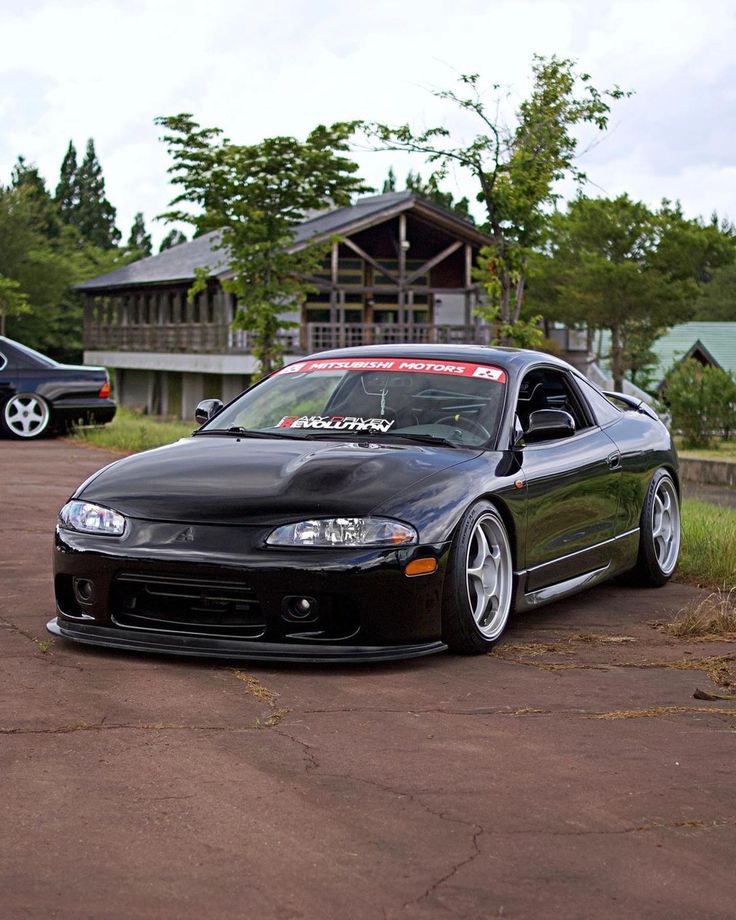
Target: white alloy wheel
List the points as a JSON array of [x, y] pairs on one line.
[[26, 415], [489, 576], [666, 525]]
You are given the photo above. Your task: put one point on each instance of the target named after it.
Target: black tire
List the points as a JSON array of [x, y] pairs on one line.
[[25, 416], [658, 555], [470, 626]]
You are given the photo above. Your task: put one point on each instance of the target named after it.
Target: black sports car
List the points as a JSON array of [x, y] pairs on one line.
[[37, 394], [372, 503]]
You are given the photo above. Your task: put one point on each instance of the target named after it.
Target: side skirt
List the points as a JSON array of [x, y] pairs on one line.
[[624, 550]]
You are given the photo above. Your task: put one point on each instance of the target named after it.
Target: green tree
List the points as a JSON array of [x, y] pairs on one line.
[[38, 203], [44, 258], [389, 183], [614, 264], [94, 216], [139, 241], [432, 192], [173, 238], [702, 401], [717, 300], [516, 167], [256, 195], [67, 189], [13, 302]]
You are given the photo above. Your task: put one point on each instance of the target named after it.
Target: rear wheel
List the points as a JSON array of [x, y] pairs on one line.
[[25, 415], [659, 541], [478, 591]]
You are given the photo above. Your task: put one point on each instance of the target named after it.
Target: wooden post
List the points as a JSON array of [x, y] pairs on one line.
[[341, 320], [403, 247], [468, 282], [333, 284]]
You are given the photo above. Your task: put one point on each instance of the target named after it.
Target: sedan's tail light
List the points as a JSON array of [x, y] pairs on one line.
[[104, 390]]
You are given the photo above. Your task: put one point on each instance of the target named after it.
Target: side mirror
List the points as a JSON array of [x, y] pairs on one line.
[[206, 409], [548, 424]]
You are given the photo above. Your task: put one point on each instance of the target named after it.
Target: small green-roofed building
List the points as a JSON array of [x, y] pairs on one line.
[[709, 343]]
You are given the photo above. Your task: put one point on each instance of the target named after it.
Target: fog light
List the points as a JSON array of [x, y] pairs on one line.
[[84, 590], [421, 567], [299, 608]]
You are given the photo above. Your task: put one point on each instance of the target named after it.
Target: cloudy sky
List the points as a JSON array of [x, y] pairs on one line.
[[71, 69]]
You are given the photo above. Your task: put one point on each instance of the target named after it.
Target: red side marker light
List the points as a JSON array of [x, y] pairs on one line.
[[421, 567]]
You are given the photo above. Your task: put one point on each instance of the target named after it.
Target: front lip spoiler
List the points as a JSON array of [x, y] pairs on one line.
[[208, 647]]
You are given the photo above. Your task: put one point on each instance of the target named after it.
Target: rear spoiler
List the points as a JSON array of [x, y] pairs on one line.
[[632, 403]]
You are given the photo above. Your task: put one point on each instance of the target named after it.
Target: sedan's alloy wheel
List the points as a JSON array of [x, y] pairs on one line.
[[489, 576], [26, 415]]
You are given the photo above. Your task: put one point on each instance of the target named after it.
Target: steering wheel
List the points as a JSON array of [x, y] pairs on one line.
[[467, 424]]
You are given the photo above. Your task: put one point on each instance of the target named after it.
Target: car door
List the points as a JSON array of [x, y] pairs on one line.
[[572, 485]]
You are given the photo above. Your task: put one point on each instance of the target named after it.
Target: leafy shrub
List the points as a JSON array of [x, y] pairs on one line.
[[702, 400]]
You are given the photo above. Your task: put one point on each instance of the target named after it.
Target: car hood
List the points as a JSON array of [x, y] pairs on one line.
[[225, 479]]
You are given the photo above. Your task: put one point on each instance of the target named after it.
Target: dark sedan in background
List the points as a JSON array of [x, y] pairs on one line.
[[39, 395], [373, 503]]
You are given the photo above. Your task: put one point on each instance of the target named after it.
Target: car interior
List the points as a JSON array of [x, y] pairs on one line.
[[546, 388]]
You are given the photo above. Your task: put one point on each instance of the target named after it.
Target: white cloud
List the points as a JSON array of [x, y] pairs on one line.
[[107, 68]]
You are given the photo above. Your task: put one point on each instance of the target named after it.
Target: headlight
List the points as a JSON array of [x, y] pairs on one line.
[[90, 518], [369, 531]]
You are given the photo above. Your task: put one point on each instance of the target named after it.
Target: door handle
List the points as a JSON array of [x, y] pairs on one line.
[[614, 461]]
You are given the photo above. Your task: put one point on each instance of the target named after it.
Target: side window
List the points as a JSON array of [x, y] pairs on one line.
[[604, 410], [547, 388]]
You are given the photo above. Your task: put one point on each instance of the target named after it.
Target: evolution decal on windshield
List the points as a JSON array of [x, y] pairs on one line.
[[336, 423], [449, 368]]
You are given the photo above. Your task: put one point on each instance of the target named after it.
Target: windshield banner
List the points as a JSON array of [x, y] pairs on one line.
[[410, 365], [336, 423]]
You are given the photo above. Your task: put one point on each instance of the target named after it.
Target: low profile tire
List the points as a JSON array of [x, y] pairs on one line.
[[659, 541], [478, 593], [25, 416]]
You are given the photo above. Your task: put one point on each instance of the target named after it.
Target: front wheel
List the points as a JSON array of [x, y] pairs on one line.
[[478, 593], [25, 415], [659, 541]]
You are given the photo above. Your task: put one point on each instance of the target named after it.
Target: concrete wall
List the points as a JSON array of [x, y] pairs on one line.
[[172, 392], [708, 472]]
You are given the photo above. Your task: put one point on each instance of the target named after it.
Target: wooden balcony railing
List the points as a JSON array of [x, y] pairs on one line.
[[218, 338], [320, 336], [187, 338]]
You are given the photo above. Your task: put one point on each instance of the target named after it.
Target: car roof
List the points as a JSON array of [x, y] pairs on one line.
[[515, 359]]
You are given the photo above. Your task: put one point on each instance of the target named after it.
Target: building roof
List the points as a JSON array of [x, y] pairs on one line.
[[717, 341], [180, 262]]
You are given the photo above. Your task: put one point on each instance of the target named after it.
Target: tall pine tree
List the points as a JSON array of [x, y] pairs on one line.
[[95, 216], [31, 187], [139, 240], [172, 238], [67, 190]]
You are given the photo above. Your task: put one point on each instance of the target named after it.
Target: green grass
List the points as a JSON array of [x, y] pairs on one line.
[[723, 450], [708, 555], [130, 432]]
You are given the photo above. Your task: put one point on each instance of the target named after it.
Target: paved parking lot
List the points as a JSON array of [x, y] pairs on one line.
[[570, 774]]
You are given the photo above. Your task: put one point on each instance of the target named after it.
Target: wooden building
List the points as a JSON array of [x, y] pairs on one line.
[[399, 271]]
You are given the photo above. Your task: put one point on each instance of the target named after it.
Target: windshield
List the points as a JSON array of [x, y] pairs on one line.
[[376, 398]]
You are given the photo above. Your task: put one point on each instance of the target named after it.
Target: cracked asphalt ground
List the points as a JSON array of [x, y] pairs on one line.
[[570, 774]]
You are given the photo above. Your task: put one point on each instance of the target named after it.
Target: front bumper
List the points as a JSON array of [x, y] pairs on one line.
[[233, 649], [217, 591]]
